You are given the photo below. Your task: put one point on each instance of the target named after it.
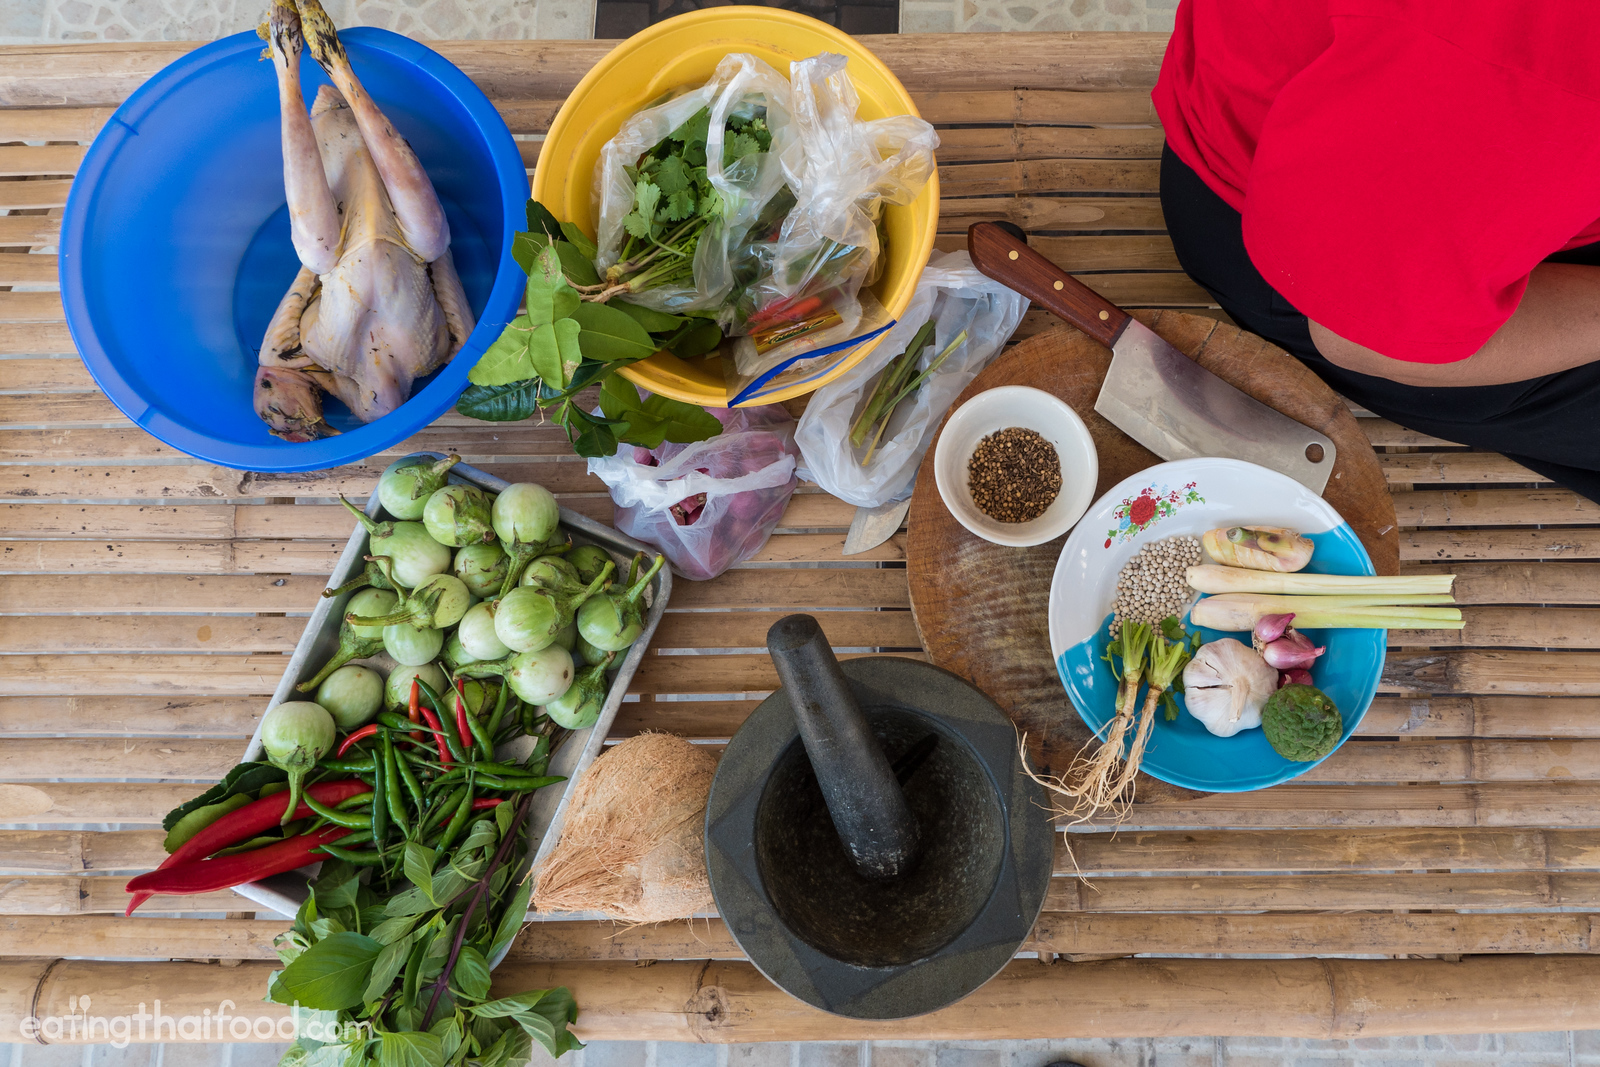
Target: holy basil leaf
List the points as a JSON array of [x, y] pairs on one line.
[[554, 1010], [542, 220], [579, 239], [652, 320], [577, 265], [419, 863], [471, 976], [511, 402], [387, 968], [449, 1032], [508, 359], [409, 1049], [525, 248], [336, 884], [331, 974], [515, 915], [610, 334]]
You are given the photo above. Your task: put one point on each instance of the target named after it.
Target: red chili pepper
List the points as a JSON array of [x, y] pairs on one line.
[[485, 803], [225, 872], [438, 738], [360, 735], [243, 824], [415, 710], [462, 728]]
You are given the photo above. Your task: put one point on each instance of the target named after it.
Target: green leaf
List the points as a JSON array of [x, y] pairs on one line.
[[418, 864], [331, 974], [511, 402], [547, 268], [450, 1034], [653, 321], [409, 1049], [392, 930], [513, 1047], [610, 334], [739, 146], [578, 266], [336, 885], [579, 240], [547, 303], [525, 248], [672, 176], [326, 927], [390, 962], [483, 833], [696, 341], [618, 397], [678, 422], [244, 778], [595, 439], [515, 915], [568, 333], [645, 199], [408, 902], [637, 225], [508, 359], [471, 976], [546, 1021], [541, 219]]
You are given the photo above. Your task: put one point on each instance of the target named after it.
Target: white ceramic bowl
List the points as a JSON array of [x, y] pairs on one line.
[[1032, 409]]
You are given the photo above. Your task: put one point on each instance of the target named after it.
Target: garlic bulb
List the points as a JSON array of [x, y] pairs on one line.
[[1225, 685]]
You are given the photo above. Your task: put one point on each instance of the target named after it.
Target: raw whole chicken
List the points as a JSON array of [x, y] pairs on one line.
[[377, 303]]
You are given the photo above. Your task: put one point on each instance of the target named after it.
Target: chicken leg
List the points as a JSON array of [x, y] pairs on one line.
[[314, 215], [416, 204]]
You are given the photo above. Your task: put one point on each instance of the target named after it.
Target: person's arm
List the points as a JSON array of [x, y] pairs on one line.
[[1556, 327]]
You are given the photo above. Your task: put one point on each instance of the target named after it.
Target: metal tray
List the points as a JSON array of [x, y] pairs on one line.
[[285, 893]]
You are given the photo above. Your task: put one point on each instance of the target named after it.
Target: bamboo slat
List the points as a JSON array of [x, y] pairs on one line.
[[1036, 214], [115, 935], [130, 717]]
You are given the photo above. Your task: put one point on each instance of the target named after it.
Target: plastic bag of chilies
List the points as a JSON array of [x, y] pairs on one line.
[[742, 85], [959, 300], [710, 504], [809, 299]]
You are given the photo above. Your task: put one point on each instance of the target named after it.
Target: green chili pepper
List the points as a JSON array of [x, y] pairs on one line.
[[499, 709], [350, 819], [457, 822], [445, 720], [360, 800], [380, 810], [391, 788], [348, 766], [519, 784], [410, 779], [444, 809], [401, 724]]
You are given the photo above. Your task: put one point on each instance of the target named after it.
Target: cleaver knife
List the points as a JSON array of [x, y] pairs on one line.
[[1153, 393]]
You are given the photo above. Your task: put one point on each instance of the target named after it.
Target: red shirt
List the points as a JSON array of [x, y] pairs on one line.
[[1400, 165]]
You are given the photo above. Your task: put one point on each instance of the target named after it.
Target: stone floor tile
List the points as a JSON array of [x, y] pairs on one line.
[[1539, 1041], [919, 1055], [827, 1053], [259, 1055], [609, 1054], [34, 1055], [966, 1056], [130, 1056], [1586, 1041], [186, 1054], [918, 17], [1092, 1052], [766, 1054], [684, 1054]]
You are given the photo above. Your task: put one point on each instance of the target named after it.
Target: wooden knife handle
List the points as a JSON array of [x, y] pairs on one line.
[[1001, 251]]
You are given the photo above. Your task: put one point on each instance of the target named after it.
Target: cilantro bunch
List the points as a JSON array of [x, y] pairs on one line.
[[674, 201], [567, 340]]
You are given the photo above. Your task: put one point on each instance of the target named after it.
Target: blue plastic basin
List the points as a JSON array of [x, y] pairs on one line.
[[175, 242]]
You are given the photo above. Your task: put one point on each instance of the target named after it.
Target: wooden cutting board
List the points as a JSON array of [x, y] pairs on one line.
[[981, 608]]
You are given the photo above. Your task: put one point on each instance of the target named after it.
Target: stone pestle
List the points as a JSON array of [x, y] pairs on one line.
[[862, 791]]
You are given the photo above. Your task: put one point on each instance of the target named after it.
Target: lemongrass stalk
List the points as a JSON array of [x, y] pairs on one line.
[[1241, 611], [1210, 578]]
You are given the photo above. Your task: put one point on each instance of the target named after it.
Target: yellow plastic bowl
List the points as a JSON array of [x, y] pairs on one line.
[[684, 52]]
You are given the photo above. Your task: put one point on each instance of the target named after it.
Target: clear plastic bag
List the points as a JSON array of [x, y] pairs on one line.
[[742, 85], [958, 298], [710, 504], [808, 301]]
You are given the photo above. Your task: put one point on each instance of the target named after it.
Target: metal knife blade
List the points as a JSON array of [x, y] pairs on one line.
[[1177, 409], [871, 527], [1154, 393]]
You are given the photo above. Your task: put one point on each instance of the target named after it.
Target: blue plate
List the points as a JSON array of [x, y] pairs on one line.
[[175, 241], [1191, 497]]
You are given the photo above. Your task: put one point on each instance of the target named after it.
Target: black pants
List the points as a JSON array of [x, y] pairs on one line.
[[1550, 425]]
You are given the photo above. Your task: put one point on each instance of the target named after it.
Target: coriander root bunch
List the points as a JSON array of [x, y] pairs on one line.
[[1103, 780]]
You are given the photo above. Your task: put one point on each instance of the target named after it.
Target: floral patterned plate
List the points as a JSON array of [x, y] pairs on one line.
[[1190, 497]]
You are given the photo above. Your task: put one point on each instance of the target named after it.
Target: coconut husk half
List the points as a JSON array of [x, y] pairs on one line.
[[633, 847]]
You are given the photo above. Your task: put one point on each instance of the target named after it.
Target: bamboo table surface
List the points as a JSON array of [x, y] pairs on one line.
[[1441, 872]]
